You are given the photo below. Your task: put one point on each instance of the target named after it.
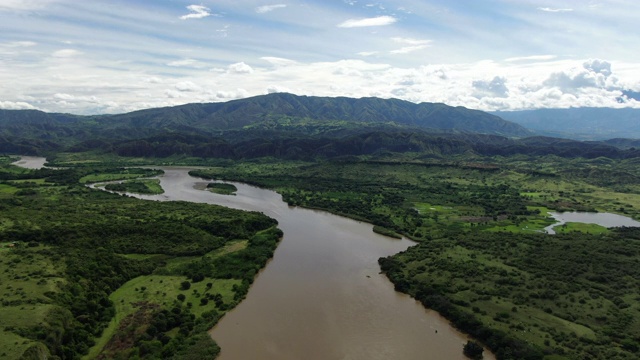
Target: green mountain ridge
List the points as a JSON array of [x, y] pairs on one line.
[[289, 126]]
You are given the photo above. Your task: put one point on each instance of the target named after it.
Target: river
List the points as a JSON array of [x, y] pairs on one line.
[[321, 296], [30, 162], [603, 219]]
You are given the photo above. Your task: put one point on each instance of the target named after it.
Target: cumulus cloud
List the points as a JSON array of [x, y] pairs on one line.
[[223, 95], [239, 68], [272, 89], [174, 94], [187, 86], [197, 12], [367, 53], [16, 105], [269, 8], [593, 73], [376, 21], [66, 53], [495, 88], [554, 10]]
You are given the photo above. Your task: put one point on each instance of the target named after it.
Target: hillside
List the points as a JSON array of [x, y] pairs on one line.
[[283, 109], [290, 127], [579, 123]]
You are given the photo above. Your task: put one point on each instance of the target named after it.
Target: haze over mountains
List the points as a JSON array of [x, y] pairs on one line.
[[579, 123], [286, 125]]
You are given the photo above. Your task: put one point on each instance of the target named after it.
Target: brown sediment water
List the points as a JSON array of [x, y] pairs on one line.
[[322, 295]]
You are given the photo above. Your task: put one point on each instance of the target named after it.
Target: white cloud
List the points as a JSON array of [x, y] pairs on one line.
[[174, 94], [408, 49], [21, 44], [592, 74], [554, 10], [496, 87], [278, 61], [21, 5], [197, 12], [531, 58], [413, 45], [272, 89], [187, 86], [240, 68], [190, 63], [69, 98], [66, 53], [268, 8], [19, 105], [367, 53], [410, 41], [231, 95], [376, 21]]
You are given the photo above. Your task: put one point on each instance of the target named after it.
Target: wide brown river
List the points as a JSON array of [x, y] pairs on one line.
[[322, 296]]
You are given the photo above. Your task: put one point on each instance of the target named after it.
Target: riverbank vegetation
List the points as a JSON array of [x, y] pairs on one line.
[[222, 188], [88, 273], [146, 186], [483, 260]]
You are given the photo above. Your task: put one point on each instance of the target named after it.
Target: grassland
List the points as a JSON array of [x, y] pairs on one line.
[[80, 266]]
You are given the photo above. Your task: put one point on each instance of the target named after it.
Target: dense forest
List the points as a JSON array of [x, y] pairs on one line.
[[66, 249], [483, 260]]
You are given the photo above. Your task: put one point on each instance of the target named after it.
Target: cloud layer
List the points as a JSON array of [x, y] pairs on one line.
[[93, 57]]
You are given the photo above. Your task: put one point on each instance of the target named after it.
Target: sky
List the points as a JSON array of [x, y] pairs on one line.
[[95, 56]]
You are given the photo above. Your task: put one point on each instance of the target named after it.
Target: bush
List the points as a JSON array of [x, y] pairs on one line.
[[473, 350]]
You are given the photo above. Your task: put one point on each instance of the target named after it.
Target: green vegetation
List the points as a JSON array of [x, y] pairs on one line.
[[86, 272], [222, 188], [526, 295], [483, 261], [148, 186], [131, 278]]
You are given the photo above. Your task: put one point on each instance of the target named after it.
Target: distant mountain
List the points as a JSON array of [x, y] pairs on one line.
[[579, 123], [293, 127], [283, 110]]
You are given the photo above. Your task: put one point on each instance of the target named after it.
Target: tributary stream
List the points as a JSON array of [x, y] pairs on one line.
[[321, 296]]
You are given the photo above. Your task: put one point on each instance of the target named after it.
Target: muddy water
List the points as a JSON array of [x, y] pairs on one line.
[[31, 162], [603, 219], [321, 297]]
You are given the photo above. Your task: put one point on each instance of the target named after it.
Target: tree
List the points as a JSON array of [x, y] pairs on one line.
[[185, 285], [181, 297], [473, 350]]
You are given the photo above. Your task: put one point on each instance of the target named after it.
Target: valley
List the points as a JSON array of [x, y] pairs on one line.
[[455, 219]]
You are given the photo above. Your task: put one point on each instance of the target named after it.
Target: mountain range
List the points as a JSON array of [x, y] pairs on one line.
[[290, 126], [579, 123]]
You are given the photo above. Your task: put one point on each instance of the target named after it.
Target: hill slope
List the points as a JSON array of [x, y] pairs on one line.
[[579, 123], [276, 109]]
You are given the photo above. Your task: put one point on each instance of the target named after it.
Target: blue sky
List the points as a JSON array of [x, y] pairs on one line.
[[90, 57]]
